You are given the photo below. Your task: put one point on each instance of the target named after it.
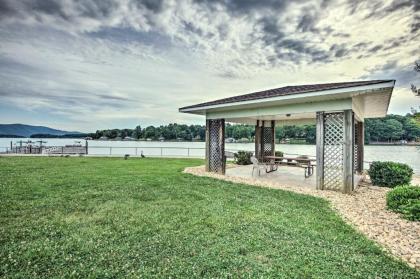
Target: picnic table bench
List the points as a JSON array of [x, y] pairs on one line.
[[301, 162]]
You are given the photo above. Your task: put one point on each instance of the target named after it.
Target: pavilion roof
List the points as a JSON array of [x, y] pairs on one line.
[[284, 91]]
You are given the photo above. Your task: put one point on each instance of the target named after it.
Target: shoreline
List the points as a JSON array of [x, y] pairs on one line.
[[186, 141]]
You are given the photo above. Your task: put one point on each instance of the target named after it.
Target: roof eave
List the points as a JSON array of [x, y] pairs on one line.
[[202, 110]]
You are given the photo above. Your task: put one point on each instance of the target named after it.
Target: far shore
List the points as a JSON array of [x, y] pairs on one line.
[[185, 141]]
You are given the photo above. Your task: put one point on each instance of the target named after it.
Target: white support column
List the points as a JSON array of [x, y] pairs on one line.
[[348, 152], [335, 151], [258, 140], [320, 150]]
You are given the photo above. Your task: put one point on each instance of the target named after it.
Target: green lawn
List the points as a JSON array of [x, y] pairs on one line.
[[109, 217]]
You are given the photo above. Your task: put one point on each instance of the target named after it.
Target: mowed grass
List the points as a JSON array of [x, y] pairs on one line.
[[109, 217]]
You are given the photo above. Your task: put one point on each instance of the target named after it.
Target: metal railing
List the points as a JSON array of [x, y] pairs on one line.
[[150, 151]]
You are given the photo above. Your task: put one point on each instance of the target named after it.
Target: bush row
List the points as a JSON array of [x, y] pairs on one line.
[[405, 200], [243, 157], [390, 174]]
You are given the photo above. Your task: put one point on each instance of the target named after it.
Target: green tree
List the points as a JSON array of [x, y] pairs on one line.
[[393, 128], [411, 129], [310, 133], [137, 132], [150, 132]]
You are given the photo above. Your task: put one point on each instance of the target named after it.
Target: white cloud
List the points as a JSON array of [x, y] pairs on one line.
[[117, 62]]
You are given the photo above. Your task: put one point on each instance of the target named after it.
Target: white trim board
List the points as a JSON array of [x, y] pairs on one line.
[[293, 109]]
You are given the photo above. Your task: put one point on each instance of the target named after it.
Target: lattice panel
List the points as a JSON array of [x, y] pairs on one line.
[[267, 141], [355, 146], [216, 163], [333, 150]]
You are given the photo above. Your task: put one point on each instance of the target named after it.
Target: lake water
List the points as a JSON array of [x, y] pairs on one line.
[[404, 154]]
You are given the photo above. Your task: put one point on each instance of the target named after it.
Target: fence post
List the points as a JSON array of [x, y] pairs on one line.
[[188, 152], [161, 152], [110, 150], [62, 150], [86, 144], [136, 151]]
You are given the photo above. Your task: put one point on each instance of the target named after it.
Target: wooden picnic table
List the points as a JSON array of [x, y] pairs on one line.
[[290, 158], [305, 163]]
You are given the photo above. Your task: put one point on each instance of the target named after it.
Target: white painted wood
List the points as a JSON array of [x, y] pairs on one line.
[[376, 104], [358, 106], [258, 140], [320, 150], [207, 144], [348, 152], [296, 110]]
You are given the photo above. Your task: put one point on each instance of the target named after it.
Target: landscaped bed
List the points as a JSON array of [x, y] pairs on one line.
[[109, 217]]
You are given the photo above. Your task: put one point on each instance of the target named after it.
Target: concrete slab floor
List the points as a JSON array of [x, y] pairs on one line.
[[288, 176]]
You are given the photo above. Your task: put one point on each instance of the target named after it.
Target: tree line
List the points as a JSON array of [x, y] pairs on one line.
[[172, 131], [392, 128], [389, 128]]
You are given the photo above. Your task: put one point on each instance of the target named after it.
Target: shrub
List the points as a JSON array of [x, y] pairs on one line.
[[279, 153], [405, 200], [412, 211], [390, 174], [243, 157]]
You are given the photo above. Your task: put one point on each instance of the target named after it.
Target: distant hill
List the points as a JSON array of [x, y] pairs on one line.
[[27, 130]]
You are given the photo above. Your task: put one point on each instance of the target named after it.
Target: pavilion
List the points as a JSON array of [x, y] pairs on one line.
[[338, 109]]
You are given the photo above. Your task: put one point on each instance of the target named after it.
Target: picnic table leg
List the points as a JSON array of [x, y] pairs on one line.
[[309, 170], [272, 167]]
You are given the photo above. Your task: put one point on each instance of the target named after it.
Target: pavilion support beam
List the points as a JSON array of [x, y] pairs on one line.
[[215, 146], [258, 141], [335, 150], [320, 150], [264, 139], [348, 151], [360, 145], [273, 137], [207, 144]]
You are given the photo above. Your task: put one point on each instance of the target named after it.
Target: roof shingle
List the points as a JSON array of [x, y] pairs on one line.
[[284, 91]]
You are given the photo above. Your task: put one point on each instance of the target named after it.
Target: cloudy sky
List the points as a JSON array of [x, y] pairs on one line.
[[92, 64]]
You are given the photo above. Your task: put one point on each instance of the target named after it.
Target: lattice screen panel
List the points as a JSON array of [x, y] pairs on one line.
[[333, 150], [216, 146], [356, 146], [267, 141]]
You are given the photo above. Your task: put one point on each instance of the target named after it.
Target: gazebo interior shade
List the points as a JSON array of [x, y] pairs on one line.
[[299, 104]]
